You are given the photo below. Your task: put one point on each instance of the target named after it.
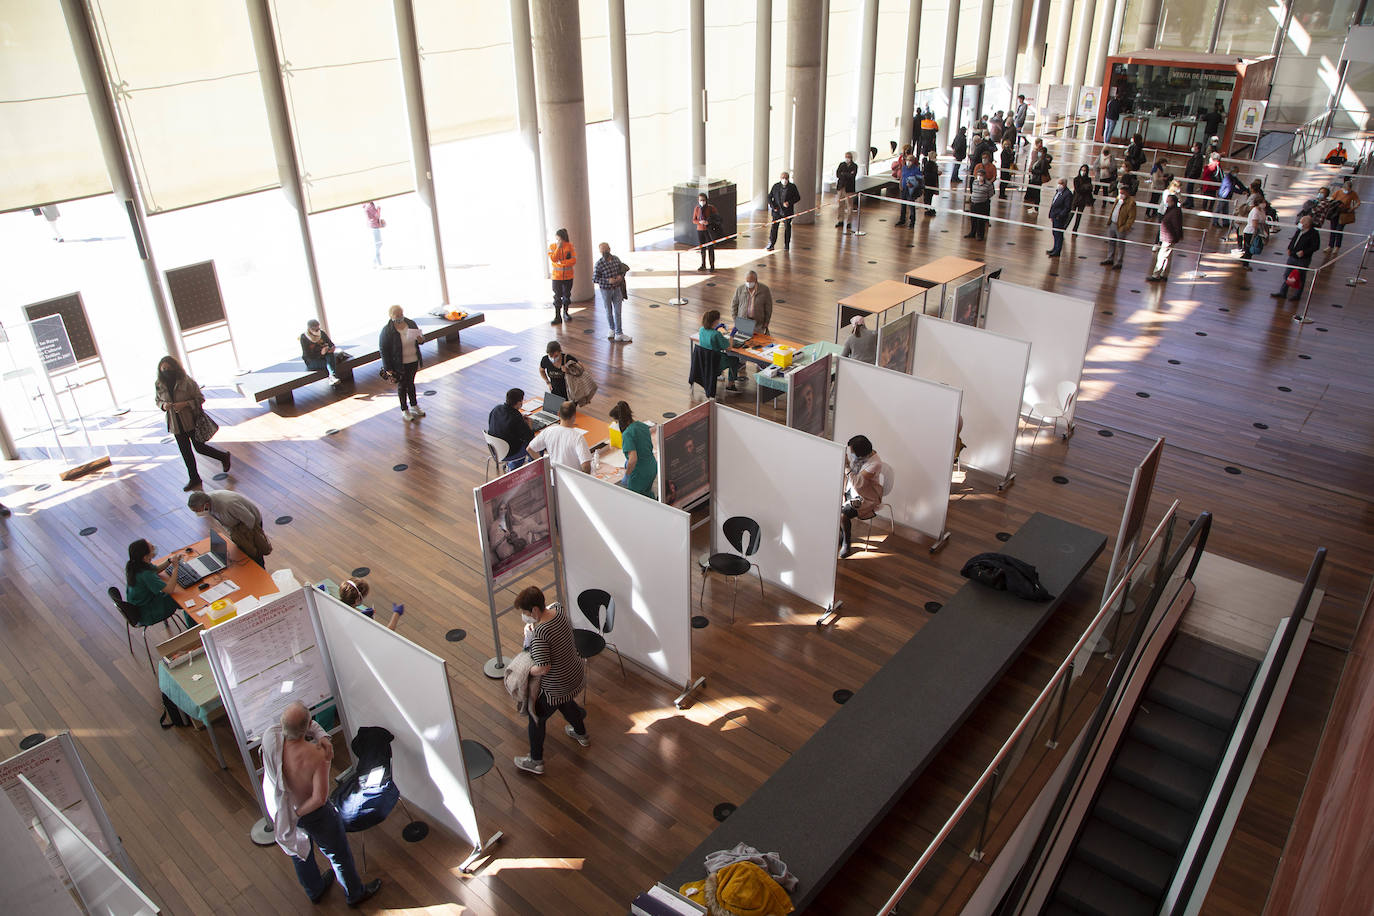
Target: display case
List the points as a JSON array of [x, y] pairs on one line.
[[1166, 96]]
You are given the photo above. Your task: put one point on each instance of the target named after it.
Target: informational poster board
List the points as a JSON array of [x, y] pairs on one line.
[[808, 397], [53, 345], [264, 660], [55, 768], [196, 295], [28, 884], [78, 325], [1250, 117], [386, 680], [964, 303], [896, 340], [684, 447], [1087, 101], [1138, 500], [513, 522], [100, 884]]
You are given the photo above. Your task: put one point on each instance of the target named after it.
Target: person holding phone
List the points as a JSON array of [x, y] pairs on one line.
[[400, 345]]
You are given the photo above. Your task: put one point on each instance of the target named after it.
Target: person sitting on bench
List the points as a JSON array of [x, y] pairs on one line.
[[319, 352]]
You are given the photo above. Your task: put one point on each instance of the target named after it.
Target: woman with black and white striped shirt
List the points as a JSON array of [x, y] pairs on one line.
[[549, 640]]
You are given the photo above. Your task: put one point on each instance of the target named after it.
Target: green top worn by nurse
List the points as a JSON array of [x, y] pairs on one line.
[[638, 444], [710, 337], [145, 583]]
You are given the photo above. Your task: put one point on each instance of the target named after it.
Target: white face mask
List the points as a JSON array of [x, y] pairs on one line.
[[701, 201], [202, 513], [849, 159], [528, 618], [750, 283], [783, 182]]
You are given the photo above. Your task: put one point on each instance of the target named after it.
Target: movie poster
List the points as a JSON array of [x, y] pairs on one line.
[[685, 470], [513, 517], [967, 299], [896, 340], [808, 393]]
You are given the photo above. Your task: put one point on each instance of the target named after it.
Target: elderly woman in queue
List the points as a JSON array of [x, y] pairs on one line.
[[181, 399]]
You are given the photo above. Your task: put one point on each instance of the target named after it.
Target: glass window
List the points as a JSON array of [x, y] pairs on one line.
[[656, 46], [458, 38], [931, 52], [1166, 95], [1307, 74], [1248, 27], [730, 34], [841, 80], [1186, 25], [887, 75], [596, 58]]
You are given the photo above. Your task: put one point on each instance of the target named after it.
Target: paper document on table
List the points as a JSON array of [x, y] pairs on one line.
[[223, 590]]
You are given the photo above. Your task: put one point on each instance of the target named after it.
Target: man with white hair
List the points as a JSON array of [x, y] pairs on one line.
[[296, 754], [862, 343]]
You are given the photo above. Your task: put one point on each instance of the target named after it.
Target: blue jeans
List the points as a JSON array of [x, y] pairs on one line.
[[611, 302], [325, 828], [1058, 239], [1109, 126], [319, 365], [517, 460]]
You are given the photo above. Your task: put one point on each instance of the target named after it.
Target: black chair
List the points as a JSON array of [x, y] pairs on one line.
[[705, 369], [132, 620], [478, 761], [743, 534], [590, 643]]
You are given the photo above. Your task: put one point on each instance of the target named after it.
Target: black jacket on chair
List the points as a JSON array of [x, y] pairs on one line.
[[705, 369], [367, 796], [389, 343]]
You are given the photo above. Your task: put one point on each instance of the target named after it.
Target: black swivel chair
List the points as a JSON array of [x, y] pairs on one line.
[[743, 534], [590, 643], [132, 620]]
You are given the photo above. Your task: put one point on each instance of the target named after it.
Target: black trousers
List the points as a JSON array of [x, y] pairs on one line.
[[405, 385], [542, 711], [980, 225], [704, 239], [562, 294], [785, 220], [185, 443], [1006, 180]]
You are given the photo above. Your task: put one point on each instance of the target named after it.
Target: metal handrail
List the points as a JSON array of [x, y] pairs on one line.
[[1108, 606]]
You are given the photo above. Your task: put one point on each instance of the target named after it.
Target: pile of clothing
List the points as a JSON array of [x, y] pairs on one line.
[[743, 882]]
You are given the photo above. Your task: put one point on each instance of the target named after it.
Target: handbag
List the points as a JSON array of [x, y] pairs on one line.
[[1293, 280], [205, 427], [581, 386], [1347, 217]]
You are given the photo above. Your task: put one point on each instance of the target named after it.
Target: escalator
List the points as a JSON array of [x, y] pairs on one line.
[[1149, 802]]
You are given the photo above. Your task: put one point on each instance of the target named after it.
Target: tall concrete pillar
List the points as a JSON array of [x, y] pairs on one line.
[[527, 121], [620, 111], [763, 99], [1059, 56], [1102, 46], [913, 51], [868, 63], [1012, 48], [947, 73], [804, 26], [1078, 79], [822, 84], [1150, 11], [984, 38], [1035, 44], [102, 106], [563, 114], [408, 53], [696, 28]]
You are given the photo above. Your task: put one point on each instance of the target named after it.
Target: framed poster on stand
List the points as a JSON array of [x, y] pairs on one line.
[[684, 444]]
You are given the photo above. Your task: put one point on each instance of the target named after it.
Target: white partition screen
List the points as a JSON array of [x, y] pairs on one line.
[[991, 369], [385, 679], [638, 551], [789, 482], [1058, 328], [916, 443]]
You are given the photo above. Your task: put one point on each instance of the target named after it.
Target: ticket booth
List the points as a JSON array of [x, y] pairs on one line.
[[1167, 95]]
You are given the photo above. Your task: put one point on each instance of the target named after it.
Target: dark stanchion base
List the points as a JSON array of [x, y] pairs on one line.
[[415, 831]]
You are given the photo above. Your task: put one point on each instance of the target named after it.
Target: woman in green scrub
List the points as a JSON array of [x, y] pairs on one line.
[[638, 444], [146, 583]]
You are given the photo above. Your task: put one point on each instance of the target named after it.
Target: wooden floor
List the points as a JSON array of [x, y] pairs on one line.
[[1215, 358]]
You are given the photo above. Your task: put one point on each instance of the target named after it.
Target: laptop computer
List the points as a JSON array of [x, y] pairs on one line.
[[548, 414], [744, 330], [207, 564]]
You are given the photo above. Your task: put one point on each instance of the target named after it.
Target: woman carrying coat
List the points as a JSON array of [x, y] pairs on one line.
[[1082, 194], [180, 398]]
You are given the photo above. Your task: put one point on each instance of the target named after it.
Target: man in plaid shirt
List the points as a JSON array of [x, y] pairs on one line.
[[609, 277]]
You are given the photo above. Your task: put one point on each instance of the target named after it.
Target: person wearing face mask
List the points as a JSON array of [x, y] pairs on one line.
[[705, 218], [863, 489], [557, 675], [783, 198], [1119, 222], [399, 344], [563, 257], [930, 178], [845, 174], [146, 583], [753, 300], [181, 398], [912, 184], [239, 518], [959, 149]]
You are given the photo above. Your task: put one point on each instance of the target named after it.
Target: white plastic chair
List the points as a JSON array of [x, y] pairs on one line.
[[886, 479], [497, 449], [1065, 394]]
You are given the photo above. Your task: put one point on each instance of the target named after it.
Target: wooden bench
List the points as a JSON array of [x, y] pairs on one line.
[[279, 382], [820, 805]]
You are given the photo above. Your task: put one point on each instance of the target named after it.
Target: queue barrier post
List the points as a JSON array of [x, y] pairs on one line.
[[1358, 280], [679, 300]]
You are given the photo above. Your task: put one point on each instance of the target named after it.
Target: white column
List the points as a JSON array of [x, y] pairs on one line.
[[1013, 47], [803, 95], [1086, 9], [697, 31], [563, 114], [822, 87], [620, 110], [947, 73], [1035, 45], [913, 51], [1060, 55], [1149, 22], [868, 62], [763, 89], [407, 52], [984, 38], [1102, 46], [527, 121]]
